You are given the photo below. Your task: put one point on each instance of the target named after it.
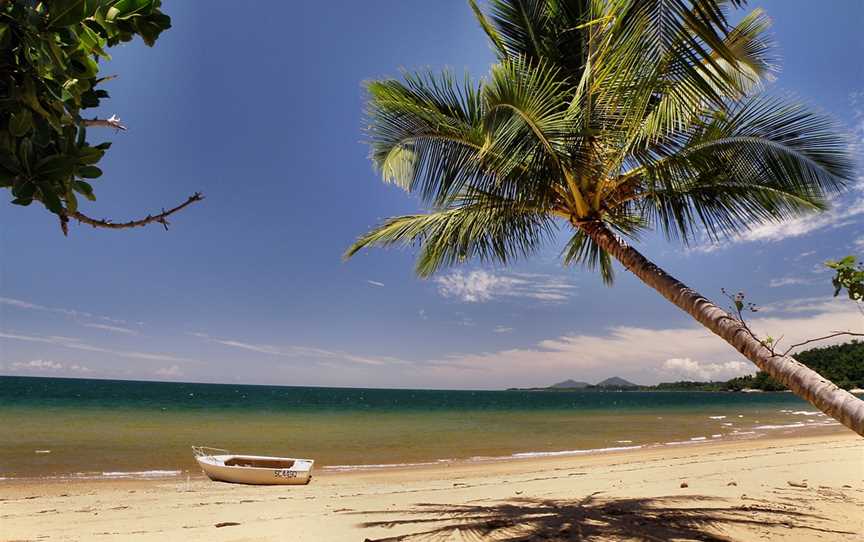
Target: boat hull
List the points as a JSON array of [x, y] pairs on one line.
[[215, 469]]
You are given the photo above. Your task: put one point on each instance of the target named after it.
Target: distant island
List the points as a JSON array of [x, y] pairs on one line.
[[843, 364], [615, 383]]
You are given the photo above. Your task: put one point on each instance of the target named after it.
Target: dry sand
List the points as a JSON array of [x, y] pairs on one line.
[[799, 488]]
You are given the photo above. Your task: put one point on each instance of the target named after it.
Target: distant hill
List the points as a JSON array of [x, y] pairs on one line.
[[570, 384], [616, 382]]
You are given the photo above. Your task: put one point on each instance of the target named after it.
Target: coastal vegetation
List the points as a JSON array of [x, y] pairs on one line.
[[601, 121], [50, 53]]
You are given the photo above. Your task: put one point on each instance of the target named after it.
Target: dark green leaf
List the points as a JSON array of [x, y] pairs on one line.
[[24, 190], [56, 167], [89, 172], [84, 188], [51, 200], [71, 201], [21, 123], [67, 12]]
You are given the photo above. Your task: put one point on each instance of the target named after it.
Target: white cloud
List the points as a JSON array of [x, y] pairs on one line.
[[502, 329], [376, 283], [114, 329], [688, 369], [37, 365], [75, 344], [173, 371], [638, 353], [859, 243], [46, 366], [481, 286], [841, 214], [838, 216]]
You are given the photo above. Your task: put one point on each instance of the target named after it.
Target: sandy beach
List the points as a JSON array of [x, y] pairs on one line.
[[797, 488]]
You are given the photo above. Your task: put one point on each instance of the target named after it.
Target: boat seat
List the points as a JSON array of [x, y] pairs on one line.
[[258, 463]]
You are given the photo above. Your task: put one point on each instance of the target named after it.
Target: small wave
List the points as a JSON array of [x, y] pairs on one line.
[[698, 438], [42, 451], [677, 442], [142, 474], [716, 417], [623, 441], [132, 475], [727, 424], [383, 465], [782, 426], [716, 436], [576, 452], [807, 413]]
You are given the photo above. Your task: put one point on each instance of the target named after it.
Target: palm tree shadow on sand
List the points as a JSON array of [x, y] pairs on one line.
[[688, 517]]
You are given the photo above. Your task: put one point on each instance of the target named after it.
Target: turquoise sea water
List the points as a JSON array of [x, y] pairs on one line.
[[104, 428]]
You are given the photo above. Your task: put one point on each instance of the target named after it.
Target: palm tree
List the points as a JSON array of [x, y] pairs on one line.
[[609, 118]]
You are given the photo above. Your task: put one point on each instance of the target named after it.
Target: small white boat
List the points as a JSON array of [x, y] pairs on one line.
[[223, 466]]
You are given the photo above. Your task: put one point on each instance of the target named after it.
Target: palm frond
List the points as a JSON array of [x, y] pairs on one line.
[[425, 133], [582, 250], [520, 27], [482, 226], [526, 110], [766, 159]]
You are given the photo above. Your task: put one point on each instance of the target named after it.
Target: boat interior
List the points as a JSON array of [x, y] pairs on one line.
[[259, 463]]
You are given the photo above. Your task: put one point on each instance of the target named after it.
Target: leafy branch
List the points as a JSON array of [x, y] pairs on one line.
[[51, 53]]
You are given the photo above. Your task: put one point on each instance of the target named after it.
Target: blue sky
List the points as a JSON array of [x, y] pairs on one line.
[[263, 113]]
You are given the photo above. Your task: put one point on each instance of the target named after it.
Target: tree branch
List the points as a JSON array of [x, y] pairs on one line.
[[161, 218], [111, 122], [834, 334], [738, 314]]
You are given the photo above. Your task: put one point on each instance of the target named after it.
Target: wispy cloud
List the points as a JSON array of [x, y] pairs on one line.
[[502, 329], [18, 303], [376, 283], [481, 286], [295, 351], [788, 281], [114, 329], [75, 344], [260, 348]]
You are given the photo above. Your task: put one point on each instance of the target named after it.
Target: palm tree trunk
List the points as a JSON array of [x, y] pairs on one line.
[[803, 381]]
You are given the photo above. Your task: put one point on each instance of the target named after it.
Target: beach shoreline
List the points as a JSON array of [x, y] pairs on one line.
[[794, 430], [803, 487]]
